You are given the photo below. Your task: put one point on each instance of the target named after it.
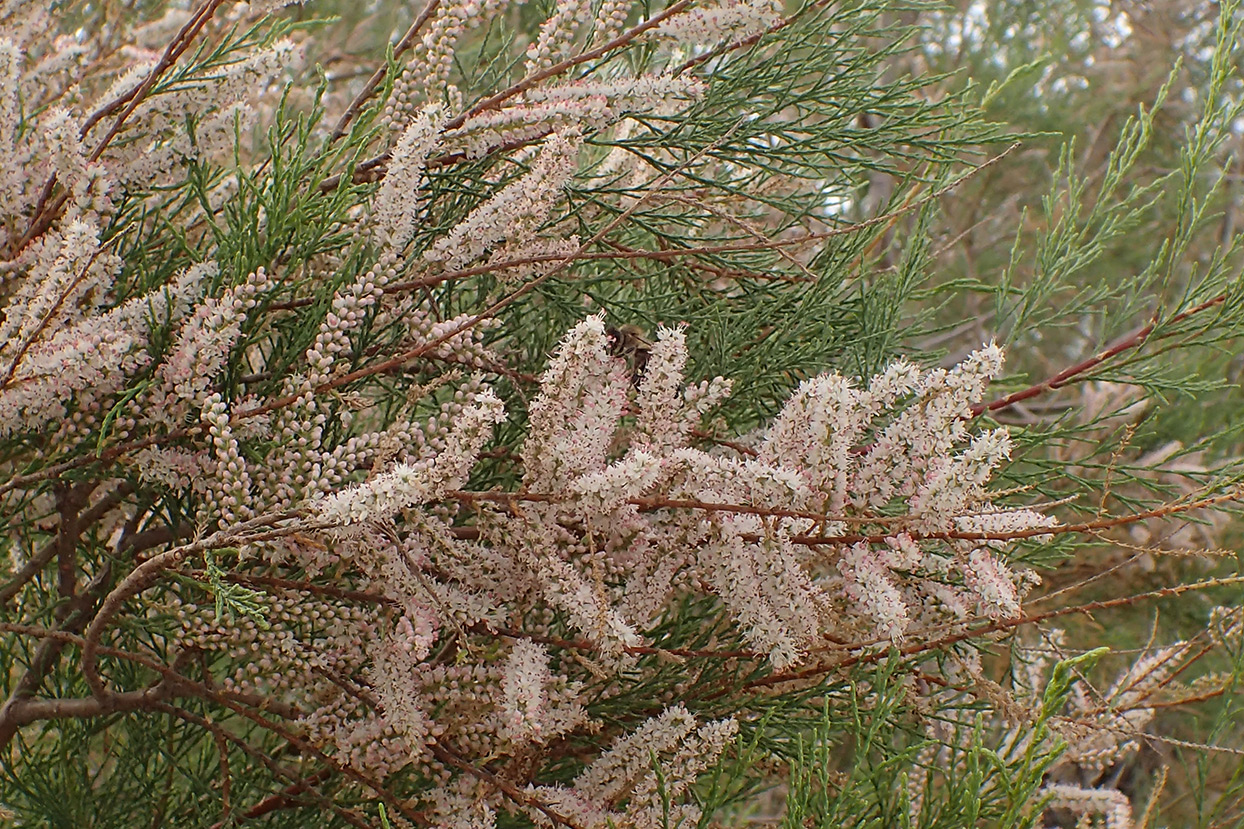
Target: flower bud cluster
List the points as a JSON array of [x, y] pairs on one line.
[[524, 204], [285, 650], [231, 483], [203, 346], [396, 206], [425, 80], [558, 34]]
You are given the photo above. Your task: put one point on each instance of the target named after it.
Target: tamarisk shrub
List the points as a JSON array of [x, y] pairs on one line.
[[328, 497]]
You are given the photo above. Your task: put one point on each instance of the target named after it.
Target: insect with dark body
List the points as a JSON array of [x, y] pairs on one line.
[[631, 344]]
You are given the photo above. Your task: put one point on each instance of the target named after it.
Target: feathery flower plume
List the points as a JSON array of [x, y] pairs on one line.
[[583, 392], [205, 340], [523, 204], [407, 485], [582, 104], [682, 746], [396, 206], [533, 706], [96, 353], [727, 19]]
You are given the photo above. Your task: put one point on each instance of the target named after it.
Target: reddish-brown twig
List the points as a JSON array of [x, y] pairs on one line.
[[373, 83], [283, 799], [1131, 342]]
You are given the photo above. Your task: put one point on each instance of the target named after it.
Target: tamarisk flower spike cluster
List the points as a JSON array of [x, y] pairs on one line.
[[556, 104], [619, 514], [60, 340], [784, 595], [586, 550], [736, 19]]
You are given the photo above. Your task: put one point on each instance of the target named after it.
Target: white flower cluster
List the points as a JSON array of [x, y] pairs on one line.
[[203, 345], [396, 206], [408, 485], [619, 515], [835, 451], [725, 20], [58, 346], [537, 706], [882, 474], [522, 205]]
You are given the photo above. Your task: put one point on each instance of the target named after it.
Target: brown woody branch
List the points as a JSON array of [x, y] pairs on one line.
[[373, 83], [26, 711], [41, 559], [1131, 342], [284, 799], [449, 758], [652, 503], [76, 613], [22, 710], [298, 785], [174, 684], [69, 503]]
